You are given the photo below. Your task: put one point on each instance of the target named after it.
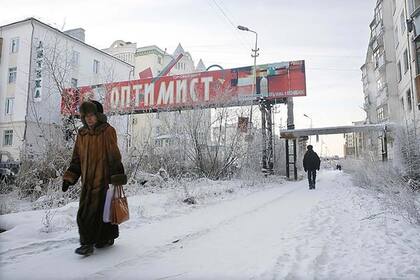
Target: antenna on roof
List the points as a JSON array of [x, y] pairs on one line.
[[64, 24]]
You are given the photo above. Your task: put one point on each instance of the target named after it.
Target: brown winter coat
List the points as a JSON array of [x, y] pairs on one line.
[[97, 160]]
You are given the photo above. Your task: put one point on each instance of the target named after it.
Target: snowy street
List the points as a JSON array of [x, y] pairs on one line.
[[284, 231]]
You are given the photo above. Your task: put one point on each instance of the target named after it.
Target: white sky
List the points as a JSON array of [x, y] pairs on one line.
[[331, 35]]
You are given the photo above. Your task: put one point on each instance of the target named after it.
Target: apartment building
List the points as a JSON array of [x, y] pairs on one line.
[[37, 61]]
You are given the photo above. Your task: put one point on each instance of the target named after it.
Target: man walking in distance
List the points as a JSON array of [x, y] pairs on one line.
[[311, 164]]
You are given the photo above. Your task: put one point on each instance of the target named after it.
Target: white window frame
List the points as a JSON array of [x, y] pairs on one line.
[[8, 133], [405, 56], [409, 100], [95, 66], [8, 110], [75, 58], [12, 75], [14, 45], [402, 22], [399, 72]]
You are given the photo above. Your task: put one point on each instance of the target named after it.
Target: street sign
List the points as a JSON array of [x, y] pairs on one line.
[[220, 88]]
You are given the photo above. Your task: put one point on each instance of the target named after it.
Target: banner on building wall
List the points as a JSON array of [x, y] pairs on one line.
[[221, 88]]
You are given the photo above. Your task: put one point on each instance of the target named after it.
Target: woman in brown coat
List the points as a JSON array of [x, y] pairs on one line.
[[97, 160]]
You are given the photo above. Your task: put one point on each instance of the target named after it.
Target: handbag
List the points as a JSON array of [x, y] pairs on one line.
[[119, 206]]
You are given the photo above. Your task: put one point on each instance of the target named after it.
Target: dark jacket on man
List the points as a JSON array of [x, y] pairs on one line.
[[311, 161]]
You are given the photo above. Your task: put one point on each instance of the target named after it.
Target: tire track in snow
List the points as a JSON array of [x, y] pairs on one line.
[[11, 255], [150, 254]]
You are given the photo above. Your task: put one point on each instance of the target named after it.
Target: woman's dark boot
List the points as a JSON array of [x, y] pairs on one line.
[[104, 244], [84, 250]]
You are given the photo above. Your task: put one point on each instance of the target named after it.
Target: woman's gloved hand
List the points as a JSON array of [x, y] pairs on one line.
[[66, 185]]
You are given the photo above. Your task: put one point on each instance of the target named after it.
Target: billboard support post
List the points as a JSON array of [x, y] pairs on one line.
[[267, 137], [291, 125], [264, 136], [270, 137]]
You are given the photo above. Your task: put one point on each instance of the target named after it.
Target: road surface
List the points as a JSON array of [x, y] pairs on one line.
[[337, 231]]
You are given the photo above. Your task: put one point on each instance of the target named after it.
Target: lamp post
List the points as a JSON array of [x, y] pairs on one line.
[[254, 55], [305, 115]]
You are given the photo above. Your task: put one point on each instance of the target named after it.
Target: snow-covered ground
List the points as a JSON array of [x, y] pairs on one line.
[[278, 231]]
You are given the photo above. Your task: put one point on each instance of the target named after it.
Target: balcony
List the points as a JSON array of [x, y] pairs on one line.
[[416, 8], [377, 43]]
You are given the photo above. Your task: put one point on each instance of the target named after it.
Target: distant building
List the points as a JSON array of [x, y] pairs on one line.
[[155, 127], [36, 62], [356, 146]]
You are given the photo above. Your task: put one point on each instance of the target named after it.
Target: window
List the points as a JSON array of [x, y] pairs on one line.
[[418, 57], [75, 57], [409, 102], [402, 19], [405, 61], [95, 66], [1, 47], [12, 75], [8, 138], [382, 113], [73, 83], [14, 45], [159, 60], [380, 83], [396, 36], [9, 105], [399, 77]]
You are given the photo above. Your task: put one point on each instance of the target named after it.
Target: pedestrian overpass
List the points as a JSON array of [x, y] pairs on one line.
[[294, 134]]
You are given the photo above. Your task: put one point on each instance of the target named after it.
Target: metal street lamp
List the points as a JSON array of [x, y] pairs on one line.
[[305, 115], [254, 55]]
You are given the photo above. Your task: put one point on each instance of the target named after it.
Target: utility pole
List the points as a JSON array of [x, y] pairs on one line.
[[265, 109], [254, 55]]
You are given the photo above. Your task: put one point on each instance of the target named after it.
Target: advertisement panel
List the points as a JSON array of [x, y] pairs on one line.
[[221, 88]]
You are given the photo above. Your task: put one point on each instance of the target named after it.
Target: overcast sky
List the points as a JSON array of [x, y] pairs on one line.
[[330, 35]]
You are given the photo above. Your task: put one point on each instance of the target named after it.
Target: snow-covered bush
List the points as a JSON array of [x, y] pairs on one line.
[[397, 181], [38, 172], [190, 144]]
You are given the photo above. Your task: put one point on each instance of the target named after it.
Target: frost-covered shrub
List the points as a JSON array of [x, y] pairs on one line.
[[191, 144], [42, 172], [398, 180]]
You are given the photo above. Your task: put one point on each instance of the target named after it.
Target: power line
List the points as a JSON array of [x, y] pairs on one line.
[[231, 23]]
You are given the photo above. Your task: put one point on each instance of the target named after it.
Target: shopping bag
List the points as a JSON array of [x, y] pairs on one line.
[[107, 207], [119, 206]]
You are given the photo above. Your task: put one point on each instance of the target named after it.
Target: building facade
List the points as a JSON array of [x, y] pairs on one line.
[[37, 61], [390, 71]]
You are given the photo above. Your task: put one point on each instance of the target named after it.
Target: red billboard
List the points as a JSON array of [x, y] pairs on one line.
[[221, 88]]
